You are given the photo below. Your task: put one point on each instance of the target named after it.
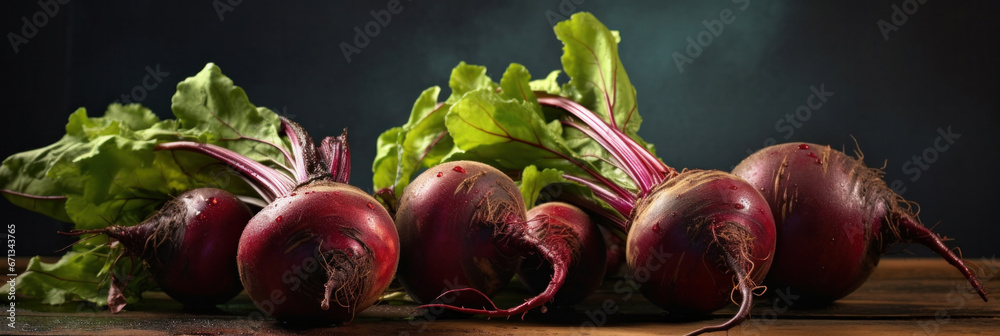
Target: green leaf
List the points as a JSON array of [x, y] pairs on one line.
[[105, 170], [534, 181], [80, 276], [401, 149], [214, 110], [466, 78], [515, 84], [538, 187], [549, 84], [597, 78], [509, 133], [386, 168], [424, 140], [424, 105]]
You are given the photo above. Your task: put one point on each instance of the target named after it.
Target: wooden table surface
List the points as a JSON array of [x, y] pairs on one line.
[[903, 297]]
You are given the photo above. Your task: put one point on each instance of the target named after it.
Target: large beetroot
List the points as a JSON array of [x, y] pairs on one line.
[[835, 218], [697, 238]]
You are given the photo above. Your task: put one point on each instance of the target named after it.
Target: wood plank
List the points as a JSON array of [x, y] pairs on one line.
[[163, 326], [912, 296]]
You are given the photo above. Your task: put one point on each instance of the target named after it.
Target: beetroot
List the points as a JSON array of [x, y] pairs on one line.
[[835, 218], [322, 250], [194, 234], [694, 237], [584, 246], [456, 222], [471, 218], [321, 253], [698, 237]]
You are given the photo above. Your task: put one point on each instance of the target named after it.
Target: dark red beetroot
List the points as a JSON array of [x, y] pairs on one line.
[[454, 232], [697, 238], [189, 246], [584, 246], [835, 218], [463, 232], [318, 255]]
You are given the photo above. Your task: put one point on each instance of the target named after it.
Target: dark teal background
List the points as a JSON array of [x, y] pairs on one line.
[[938, 70]]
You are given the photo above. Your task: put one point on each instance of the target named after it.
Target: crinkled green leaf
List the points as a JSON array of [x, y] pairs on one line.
[[214, 110], [80, 276], [105, 171], [509, 132], [597, 78], [424, 140]]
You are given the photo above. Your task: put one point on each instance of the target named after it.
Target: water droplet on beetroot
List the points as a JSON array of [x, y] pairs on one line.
[[439, 174], [201, 216], [278, 219], [732, 187], [370, 206], [656, 228], [803, 146], [819, 161], [738, 206], [213, 201], [812, 155], [459, 169]]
